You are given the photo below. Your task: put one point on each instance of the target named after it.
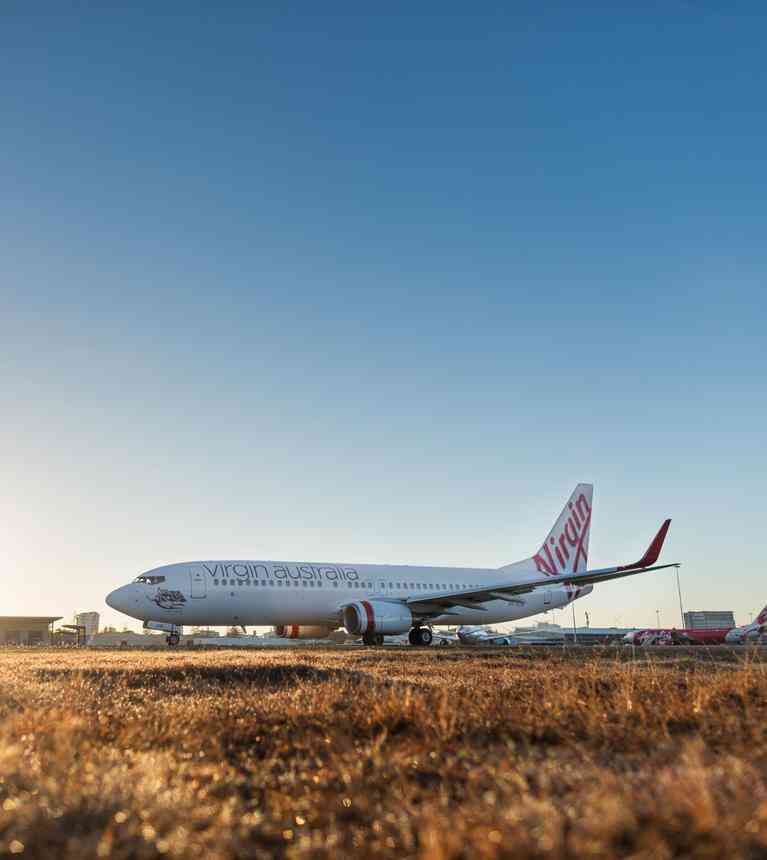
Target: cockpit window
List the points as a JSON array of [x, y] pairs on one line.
[[150, 580]]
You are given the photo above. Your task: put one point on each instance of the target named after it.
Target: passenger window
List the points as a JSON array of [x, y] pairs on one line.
[[215, 582], [303, 582]]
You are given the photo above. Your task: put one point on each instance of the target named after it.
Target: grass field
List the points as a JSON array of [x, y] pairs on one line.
[[383, 753]]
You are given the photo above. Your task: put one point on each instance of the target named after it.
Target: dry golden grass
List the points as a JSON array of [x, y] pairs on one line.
[[436, 753]]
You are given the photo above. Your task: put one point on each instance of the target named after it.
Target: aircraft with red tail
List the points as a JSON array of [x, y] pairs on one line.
[[374, 600]]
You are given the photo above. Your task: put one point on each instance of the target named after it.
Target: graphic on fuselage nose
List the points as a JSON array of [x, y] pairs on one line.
[[173, 601]]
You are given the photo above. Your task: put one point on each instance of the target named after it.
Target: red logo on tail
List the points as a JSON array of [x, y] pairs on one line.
[[571, 538]]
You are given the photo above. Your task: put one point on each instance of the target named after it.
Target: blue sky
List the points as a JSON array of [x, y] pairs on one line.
[[325, 284]]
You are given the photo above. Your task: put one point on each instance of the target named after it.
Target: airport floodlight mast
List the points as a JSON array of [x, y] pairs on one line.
[[679, 592]]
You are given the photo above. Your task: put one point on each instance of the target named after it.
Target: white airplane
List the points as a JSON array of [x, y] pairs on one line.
[[372, 600], [752, 632], [483, 636]]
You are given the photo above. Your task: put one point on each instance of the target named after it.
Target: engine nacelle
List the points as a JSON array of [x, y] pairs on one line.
[[165, 626], [296, 631], [377, 616]]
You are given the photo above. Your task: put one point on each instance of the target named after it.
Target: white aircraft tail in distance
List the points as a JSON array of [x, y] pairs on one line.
[[374, 600]]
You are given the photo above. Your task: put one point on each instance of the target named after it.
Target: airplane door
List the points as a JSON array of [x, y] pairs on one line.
[[547, 598], [198, 583]]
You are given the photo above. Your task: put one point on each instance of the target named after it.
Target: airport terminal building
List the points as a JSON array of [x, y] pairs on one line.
[[709, 620], [27, 630]]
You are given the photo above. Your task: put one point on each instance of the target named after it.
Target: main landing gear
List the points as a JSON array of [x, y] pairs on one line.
[[372, 639], [420, 636]]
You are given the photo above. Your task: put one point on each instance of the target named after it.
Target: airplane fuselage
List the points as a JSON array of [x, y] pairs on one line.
[[274, 592]]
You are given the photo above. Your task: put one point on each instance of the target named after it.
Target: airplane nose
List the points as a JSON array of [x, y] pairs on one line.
[[118, 599]]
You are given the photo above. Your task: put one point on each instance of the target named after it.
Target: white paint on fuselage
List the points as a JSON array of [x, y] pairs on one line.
[[267, 592]]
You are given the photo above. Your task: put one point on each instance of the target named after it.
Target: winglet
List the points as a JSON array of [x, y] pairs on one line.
[[653, 551]]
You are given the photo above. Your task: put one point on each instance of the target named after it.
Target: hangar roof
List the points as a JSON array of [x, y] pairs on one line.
[[48, 619]]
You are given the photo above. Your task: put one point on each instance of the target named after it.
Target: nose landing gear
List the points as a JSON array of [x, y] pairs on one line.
[[420, 636]]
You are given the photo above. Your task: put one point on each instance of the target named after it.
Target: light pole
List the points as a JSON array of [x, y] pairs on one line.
[[679, 592], [657, 618], [575, 633]]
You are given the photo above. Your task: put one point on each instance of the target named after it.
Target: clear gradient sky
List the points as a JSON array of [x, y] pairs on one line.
[[306, 281]]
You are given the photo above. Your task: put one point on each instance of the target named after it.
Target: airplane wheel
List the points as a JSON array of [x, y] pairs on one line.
[[369, 639], [420, 636], [379, 640]]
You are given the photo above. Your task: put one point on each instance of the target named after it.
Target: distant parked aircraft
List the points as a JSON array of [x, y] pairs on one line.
[[372, 600], [483, 636], [677, 636], [749, 632]]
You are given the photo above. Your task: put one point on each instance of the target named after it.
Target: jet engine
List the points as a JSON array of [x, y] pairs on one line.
[[377, 616], [295, 631]]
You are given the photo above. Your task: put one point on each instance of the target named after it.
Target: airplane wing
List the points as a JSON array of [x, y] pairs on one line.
[[472, 598]]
